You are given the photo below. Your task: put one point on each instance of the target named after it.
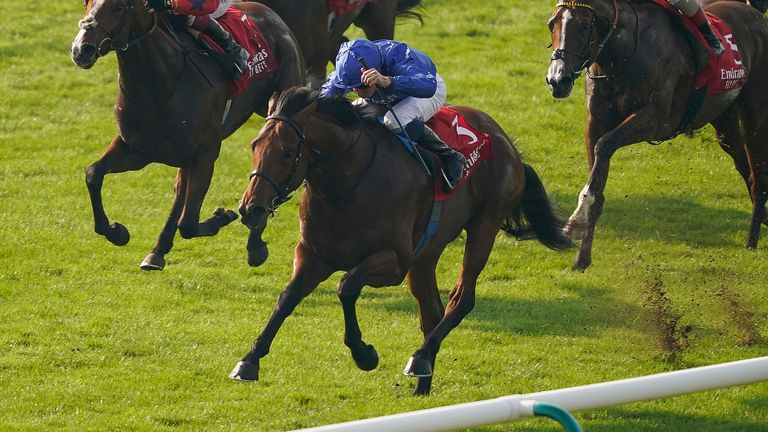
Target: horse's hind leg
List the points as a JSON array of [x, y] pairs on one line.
[[377, 19], [198, 181], [379, 269], [750, 161], [117, 158], [480, 239], [156, 259], [423, 286], [309, 270]]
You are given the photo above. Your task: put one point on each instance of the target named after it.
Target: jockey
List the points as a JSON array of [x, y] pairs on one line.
[[408, 80], [201, 16], [692, 9]]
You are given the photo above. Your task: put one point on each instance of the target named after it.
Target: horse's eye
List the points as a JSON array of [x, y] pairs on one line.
[[287, 155]]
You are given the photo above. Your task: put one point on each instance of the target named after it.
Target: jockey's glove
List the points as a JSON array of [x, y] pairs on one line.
[[160, 5]]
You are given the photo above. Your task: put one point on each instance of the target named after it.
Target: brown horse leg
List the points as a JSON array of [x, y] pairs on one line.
[[309, 270], [117, 158], [377, 19], [758, 190], [379, 269], [156, 259], [198, 181], [480, 239], [423, 286], [750, 162], [581, 224]]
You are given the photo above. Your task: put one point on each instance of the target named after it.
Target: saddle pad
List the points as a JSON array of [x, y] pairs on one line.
[[452, 128], [340, 7], [246, 33], [720, 74]]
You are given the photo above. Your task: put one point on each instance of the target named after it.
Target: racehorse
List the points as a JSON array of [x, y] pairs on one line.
[[365, 207], [171, 106], [319, 39], [640, 77]]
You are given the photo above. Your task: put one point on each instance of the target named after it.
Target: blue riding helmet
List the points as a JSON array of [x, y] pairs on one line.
[[348, 66]]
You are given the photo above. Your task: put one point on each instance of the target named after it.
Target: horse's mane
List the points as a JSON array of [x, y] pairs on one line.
[[339, 110]]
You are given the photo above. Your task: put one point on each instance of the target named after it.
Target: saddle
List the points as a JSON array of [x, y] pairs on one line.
[[450, 125], [245, 32]]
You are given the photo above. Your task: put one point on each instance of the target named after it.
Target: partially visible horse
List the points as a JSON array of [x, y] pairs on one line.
[[640, 78], [319, 40], [366, 205], [172, 107]]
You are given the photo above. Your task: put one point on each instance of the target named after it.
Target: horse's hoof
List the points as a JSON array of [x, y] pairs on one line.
[[118, 234], [258, 255], [153, 261], [225, 215], [245, 371], [423, 387], [418, 367], [367, 359]]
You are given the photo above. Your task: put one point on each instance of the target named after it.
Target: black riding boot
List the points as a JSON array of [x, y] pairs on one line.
[[712, 40], [453, 161], [223, 38]]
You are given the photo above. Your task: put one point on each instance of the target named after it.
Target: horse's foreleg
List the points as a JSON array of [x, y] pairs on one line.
[[199, 179], [379, 269], [423, 286], [117, 158], [308, 271], [581, 224], [461, 301], [156, 259]]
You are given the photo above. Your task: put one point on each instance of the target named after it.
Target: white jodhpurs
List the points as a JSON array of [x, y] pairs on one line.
[[412, 108]]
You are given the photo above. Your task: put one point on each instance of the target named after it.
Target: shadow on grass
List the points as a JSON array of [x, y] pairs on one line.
[[674, 219]]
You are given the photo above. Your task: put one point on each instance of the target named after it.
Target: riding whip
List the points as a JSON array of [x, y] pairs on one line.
[[411, 143]]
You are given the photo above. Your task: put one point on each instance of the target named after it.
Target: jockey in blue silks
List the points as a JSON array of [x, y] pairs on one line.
[[409, 81]]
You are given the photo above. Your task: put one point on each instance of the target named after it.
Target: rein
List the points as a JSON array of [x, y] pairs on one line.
[[587, 56], [284, 189]]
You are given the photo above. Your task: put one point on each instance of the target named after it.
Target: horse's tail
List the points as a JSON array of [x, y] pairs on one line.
[[760, 5], [543, 220], [404, 10]]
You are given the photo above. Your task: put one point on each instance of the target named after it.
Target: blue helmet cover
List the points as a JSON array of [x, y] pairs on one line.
[[348, 66]]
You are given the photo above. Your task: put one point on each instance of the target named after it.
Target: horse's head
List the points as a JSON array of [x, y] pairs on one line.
[[280, 156], [110, 25], [574, 34]]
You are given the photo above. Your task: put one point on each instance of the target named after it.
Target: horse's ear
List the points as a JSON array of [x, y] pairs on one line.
[[272, 103]]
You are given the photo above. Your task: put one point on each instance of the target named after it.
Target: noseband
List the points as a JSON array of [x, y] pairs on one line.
[[586, 56], [284, 189], [107, 44]]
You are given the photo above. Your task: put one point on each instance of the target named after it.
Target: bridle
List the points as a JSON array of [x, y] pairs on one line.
[[587, 56], [107, 44], [283, 189]]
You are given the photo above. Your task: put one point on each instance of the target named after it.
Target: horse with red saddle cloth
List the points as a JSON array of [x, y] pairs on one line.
[[650, 75], [175, 103]]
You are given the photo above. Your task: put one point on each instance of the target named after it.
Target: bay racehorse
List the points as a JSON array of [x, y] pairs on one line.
[[170, 107], [319, 37], [365, 207], [640, 77]]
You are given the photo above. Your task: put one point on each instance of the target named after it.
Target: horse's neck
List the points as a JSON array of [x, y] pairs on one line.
[[153, 65], [623, 41], [343, 156]]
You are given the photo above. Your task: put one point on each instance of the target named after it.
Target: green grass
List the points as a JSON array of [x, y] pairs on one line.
[[90, 342]]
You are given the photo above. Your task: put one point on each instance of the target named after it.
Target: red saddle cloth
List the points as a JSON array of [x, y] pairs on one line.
[[475, 145], [340, 7], [721, 74], [246, 33]]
